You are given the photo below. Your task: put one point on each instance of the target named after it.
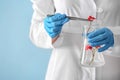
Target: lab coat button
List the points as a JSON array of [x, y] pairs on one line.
[[100, 10]]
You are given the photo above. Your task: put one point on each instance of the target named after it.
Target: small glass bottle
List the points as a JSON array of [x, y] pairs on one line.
[[90, 57]]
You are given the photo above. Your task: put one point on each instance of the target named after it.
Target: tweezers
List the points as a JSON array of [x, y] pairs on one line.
[[74, 18]]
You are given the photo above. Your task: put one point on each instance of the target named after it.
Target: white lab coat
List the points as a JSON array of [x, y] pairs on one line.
[[64, 63]]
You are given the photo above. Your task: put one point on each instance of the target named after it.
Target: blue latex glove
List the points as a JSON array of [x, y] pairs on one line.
[[102, 37], [53, 24]]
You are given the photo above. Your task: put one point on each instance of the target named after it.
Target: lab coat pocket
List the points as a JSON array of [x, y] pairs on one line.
[[58, 42]]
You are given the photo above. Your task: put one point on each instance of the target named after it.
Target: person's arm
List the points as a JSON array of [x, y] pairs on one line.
[[38, 34]]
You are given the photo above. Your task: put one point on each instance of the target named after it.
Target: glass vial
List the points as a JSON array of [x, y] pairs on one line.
[[90, 57]]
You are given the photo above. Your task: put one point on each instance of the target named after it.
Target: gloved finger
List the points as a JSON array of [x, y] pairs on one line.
[[54, 34], [56, 29], [59, 23], [105, 47], [66, 20], [51, 24], [48, 29], [99, 42], [96, 33], [51, 32], [48, 24], [98, 38], [56, 17]]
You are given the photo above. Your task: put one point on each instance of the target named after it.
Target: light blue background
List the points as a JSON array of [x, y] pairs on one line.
[[19, 58]]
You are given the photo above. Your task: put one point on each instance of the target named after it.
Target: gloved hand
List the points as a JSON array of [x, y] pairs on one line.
[[102, 37], [53, 24]]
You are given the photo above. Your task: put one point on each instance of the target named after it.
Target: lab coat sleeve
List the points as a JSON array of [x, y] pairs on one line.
[[37, 34], [115, 50]]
